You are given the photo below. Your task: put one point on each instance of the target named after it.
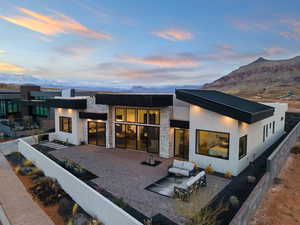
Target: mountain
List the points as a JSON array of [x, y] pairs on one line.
[[262, 78], [13, 81]]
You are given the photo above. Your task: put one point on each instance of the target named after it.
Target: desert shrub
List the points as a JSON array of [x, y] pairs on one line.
[[73, 166], [27, 162], [147, 222], [120, 202], [65, 208], [209, 169], [15, 158], [48, 191], [228, 174], [234, 201], [208, 215], [295, 150]]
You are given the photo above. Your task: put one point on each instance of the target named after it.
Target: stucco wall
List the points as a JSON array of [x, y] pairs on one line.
[[255, 144], [203, 119]]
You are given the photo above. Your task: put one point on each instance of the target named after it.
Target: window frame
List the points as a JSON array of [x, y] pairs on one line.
[[246, 144], [61, 124], [212, 131], [137, 121]]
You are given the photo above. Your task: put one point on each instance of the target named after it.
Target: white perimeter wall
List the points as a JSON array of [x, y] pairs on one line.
[[91, 201]]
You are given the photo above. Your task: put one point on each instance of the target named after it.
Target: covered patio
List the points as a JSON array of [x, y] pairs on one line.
[[121, 173]]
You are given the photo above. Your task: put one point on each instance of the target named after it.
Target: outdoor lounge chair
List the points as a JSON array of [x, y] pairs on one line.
[[184, 190], [181, 167]]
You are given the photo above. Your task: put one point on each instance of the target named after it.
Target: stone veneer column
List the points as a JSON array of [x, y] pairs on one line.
[[109, 127], [165, 150]]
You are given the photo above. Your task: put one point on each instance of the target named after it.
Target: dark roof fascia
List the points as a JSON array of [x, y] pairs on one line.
[[223, 109], [93, 116], [180, 124], [139, 100], [67, 103]]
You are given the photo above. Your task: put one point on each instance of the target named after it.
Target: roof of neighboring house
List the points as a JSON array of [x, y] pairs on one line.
[[226, 104]]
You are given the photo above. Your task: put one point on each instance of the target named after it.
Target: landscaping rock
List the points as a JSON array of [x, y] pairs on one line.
[[251, 179], [80, 219]]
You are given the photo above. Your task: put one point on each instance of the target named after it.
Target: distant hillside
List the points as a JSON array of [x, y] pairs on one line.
[[262, 79]]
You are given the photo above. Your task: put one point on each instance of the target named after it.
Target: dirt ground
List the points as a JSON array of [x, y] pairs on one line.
[[51, 211], [281, 204]]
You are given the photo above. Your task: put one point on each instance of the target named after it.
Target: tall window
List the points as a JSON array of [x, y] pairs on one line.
[[273, 127], [211, 143], [243, 147], [131, 115], [154, 117], [142, 116], [65, 124]]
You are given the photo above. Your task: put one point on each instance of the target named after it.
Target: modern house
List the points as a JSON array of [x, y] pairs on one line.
[[204, 126]]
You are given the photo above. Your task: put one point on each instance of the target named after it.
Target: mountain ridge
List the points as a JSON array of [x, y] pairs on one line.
[[263, 78]]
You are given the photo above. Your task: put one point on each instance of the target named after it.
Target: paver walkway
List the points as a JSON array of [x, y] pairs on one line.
[[16, 201]]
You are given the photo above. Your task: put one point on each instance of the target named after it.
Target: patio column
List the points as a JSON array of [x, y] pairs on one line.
[[165, 146]]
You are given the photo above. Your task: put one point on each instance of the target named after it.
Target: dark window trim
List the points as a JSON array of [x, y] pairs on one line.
[[273, 127], [218, 157], [136, 147], [61, 118], [264, 134], [136, 116], [184, 130], [242, 156]]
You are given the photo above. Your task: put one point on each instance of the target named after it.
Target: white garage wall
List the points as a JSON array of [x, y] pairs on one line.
[[91, 201]]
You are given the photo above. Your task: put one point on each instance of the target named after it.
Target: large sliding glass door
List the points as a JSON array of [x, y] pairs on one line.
[[96, 133], [181, 143], [137, 137]]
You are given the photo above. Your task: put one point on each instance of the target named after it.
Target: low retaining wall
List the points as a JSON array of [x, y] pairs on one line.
[[274, 164], [91, 201]]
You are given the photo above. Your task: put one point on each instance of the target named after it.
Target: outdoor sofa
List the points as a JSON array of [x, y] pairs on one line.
[[183, 191], [182, 168]]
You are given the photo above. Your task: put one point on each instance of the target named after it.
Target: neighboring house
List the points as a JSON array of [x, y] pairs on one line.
[[206, 127]]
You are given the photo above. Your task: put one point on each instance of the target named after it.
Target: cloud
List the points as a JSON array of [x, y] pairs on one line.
[[54, 24], [45, 39], [11, 68], [75, 50], [174, 34], [163, 61], [225, 48], [2, 51], [293, 26]]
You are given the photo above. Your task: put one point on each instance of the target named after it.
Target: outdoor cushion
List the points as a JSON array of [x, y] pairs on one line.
[[178, 171], [178, 164], [188, 166]]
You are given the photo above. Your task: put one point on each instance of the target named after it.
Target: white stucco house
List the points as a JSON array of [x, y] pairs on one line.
[[203, 126]]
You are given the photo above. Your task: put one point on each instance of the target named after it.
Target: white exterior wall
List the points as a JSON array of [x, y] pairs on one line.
[[255, 144], [181, 110], [77, 126], [203, 119], [206, 120]]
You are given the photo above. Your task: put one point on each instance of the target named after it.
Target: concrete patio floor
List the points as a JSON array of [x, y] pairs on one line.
[[121, 173]]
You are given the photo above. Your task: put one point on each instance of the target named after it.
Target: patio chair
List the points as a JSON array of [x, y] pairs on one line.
[[184, 190]]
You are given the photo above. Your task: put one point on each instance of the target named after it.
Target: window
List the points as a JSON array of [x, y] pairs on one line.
[[273, 127], [154, 117], [211, 143], [243, 147], [142, 116], [131, 115], [65, 124], [267, 131], [120, 114], [264, 134]]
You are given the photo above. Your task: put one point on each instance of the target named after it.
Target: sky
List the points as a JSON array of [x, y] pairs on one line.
[[138, 42]]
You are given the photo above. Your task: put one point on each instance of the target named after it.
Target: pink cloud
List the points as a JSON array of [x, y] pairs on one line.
[[174, 34], [163, 61], [54, 24]]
